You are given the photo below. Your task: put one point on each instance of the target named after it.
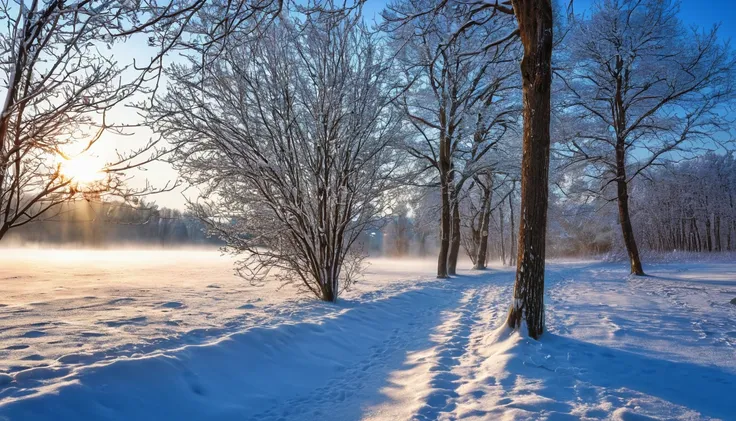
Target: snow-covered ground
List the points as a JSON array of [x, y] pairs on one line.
[[173, 335]]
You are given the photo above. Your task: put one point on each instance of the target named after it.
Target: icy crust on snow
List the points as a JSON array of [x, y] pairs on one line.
[[622, 348]]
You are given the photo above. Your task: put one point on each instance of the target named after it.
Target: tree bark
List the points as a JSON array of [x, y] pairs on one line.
[[503, 235], [535, 29], [455, 237], [624, 216], [512, 260], [717, 232], [482, 257], [445, 210], [708, 234], [627, 229]]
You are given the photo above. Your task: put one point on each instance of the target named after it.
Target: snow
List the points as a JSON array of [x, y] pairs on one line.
[[169, 335]]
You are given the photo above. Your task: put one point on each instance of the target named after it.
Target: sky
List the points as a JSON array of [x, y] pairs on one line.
[[693, 12]]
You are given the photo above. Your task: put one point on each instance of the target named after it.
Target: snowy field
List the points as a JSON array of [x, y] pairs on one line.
[[173, 335]]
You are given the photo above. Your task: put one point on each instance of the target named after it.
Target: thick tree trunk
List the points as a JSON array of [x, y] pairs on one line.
[[503, 235], [482, 256], [513, 230], [329, 284], [627, 229], [535, 28], [455, 237], [622, 193], [444, 235], [445, 210]]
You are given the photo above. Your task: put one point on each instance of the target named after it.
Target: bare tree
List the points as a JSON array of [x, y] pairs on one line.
[[289, 137], [643, 90], [535, 30], [458, 98], [477, 216], [534, 20], [60, 87]]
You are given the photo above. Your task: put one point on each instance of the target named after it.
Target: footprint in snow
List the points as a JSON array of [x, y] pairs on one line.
[[121, 300], [15, 347], [123, 322], [172, 304], [5, 379]]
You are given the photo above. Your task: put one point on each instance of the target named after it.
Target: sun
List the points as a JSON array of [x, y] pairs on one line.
[[83, 169]]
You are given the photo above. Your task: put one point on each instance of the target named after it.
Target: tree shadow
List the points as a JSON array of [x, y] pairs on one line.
[[699, 281], [302, 370], [570, 370]]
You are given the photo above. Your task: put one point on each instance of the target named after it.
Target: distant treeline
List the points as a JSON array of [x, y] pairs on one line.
[[104, 224], [689, 206]]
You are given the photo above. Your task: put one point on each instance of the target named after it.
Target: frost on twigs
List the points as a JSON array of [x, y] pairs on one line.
[[289, 136]]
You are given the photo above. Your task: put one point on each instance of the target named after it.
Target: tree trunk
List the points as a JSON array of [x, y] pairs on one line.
[[329, 285], [445, 211], [503, 235], [683, 237], [622, 193], [626, 228], [535, 28], [482, 257], [696, 234], [455, 238], [513, 230], [708, 234]]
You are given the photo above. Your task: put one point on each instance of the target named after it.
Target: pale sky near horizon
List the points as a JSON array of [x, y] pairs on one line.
[[692, 12]]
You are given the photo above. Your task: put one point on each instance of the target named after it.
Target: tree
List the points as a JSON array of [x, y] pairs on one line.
[[59, 89], [643, 90], [478, 218], [535, 29], [534, 20], [289, 136], [457, 97]]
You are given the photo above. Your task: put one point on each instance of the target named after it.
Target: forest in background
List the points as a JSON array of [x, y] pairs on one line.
[[688, 206]]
